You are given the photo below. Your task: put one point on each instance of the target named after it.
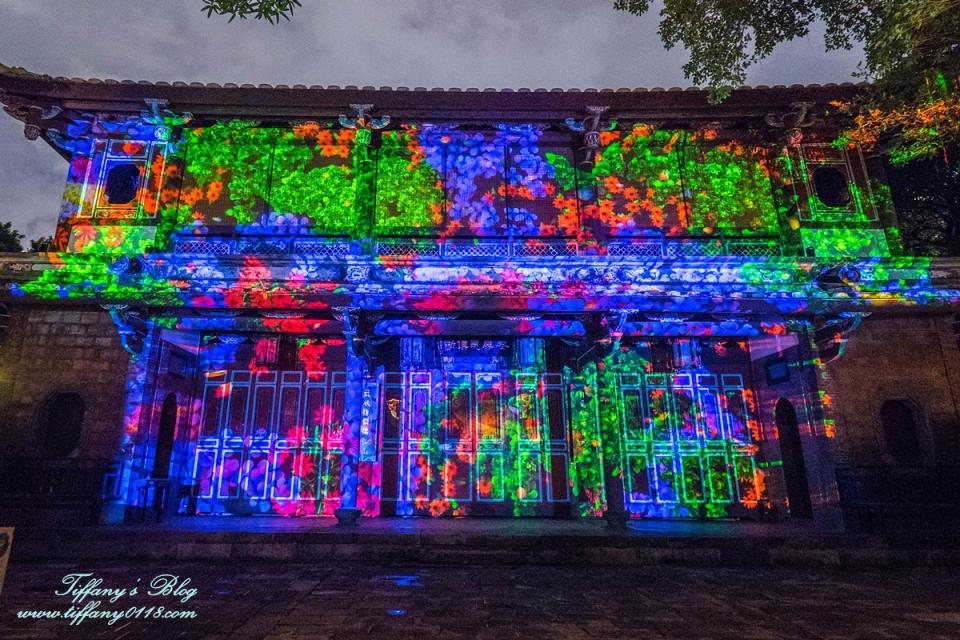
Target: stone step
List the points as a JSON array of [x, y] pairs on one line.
[[468, 542]]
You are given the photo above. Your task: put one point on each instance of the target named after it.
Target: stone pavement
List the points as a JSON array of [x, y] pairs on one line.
[[258, 599]]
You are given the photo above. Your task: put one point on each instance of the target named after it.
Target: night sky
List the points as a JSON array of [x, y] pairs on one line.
[[413, 43]]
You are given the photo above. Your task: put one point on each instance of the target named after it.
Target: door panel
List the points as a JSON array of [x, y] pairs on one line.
[[692, 454], [476, 443], [490, 478], [559, 481], [270, 442]]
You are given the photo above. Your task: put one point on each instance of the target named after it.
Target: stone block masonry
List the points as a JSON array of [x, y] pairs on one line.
[[49, 350], [911, 358]]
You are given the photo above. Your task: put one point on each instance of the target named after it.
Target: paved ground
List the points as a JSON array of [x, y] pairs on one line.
[[358, 600]]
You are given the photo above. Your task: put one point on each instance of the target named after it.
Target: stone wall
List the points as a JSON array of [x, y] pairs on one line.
[[49, 349], [913, 358]]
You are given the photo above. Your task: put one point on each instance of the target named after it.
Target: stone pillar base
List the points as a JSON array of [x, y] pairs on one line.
[[347, 517], [616, 520]]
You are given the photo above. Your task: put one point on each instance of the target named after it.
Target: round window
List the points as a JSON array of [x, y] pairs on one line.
[[831, 186], [122, 183]]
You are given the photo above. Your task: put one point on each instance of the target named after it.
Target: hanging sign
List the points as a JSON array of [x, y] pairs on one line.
[[368, 422]]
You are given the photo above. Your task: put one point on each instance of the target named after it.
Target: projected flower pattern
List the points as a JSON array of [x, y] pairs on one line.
[[448, 182]]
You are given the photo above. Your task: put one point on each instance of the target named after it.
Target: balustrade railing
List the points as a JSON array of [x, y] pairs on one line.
[[266, 245], [646, 248]]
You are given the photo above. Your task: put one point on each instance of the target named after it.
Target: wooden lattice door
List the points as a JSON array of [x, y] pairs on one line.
[[688, 444], [269, 442], [476, 443]]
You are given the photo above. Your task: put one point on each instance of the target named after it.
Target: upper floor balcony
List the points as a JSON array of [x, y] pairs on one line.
[[480, 192], [563, 201]]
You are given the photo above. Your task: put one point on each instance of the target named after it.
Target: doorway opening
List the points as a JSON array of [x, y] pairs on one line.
[[165, 434], [791, 452]]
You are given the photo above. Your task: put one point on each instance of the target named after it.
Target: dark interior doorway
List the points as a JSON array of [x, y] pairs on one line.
[[165, 433], [791, 452], [64, 424]]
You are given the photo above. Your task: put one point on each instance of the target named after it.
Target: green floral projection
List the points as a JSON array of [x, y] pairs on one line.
[[98, 276], [409, 192], [681, 182], [728, 187], [316, 179], [586, 462], [680, 449], [237, 173]]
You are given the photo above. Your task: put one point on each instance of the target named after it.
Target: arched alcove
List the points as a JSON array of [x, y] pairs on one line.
[[62, 424], [901, 436]]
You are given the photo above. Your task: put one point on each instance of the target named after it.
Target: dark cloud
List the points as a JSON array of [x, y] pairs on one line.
[[429, 43]]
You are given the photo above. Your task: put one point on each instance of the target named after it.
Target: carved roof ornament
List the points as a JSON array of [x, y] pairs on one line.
[[668, 318], [30, 114], [51, 112], [438, 317], [31, 131], [363, 123], [794, 121], [616, 322], [70, 145], [838, 277], [608, 330], [590, 128], [349, 316], [80, 129], [166, 121]]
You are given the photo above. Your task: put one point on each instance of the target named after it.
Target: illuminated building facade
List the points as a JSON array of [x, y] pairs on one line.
[[321, 301]]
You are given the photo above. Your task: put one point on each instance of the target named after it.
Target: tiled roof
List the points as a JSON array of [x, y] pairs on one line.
[[20, 72], [27, 96]]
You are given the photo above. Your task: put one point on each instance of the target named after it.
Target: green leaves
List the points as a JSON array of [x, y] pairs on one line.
[[10, 238], [906, 44], [269, 10]]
